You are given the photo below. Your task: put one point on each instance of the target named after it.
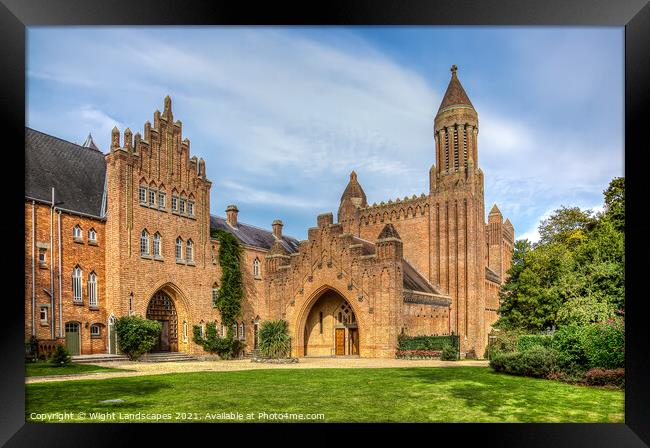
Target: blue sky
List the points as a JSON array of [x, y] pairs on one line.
[[281, 115]]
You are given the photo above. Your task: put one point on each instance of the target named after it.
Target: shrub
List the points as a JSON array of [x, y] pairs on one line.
[[528, 341], [502, 342], [423, 342], [537, 362], [605, 377], [61, 356], [604, 344], [449, 353], [567, 341], [274, 339], [226, 347], [136, 335]]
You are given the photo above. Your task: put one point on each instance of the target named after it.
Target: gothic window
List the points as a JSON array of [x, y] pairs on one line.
[[152, 198], [215, 295], [455, 146], [179, 248], [143, 195], [130, 304], [190, 208], [241, 330], [256, 268], [144, 243], [76, 284], [188, 251], [95, 331], [182, 206], [92, 290], [161, 199], [92, 236], [184, 331], [156, 244], [320, 321], [447, 148], [174, 203], [76, 232], [464, 145]]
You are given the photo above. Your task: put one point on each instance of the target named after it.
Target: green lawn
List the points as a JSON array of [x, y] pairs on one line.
[[451, 394], [43, 368]]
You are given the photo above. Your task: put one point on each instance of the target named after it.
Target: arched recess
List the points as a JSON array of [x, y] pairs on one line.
[[169, 306], [318, 330]]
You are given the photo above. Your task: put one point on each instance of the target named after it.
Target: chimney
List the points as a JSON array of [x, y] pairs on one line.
[[231, 215], [277, 229]]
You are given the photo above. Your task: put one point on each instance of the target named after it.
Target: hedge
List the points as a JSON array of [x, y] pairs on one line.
[[528, 341], [537, 362], [424, 342]]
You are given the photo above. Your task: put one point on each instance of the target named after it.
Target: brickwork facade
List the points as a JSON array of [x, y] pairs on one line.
[[416, 266]]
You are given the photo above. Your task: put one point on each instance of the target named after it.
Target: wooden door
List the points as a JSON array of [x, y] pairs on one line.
[[354, 341], [340, 341], [164, 336], [72, 338]]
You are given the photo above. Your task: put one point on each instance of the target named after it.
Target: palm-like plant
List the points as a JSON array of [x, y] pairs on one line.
[[274, 339]]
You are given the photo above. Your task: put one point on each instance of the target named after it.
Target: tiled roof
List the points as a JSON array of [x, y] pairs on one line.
[[253, 236], [455, 94], [77, 173]]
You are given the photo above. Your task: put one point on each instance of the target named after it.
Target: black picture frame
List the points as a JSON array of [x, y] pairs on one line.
[[634, 15]]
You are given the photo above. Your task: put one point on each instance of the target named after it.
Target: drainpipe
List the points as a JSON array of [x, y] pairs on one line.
[[52, 265], [33, 267], [60, 298]]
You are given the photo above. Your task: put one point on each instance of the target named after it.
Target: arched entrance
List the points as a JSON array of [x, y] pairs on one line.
[[331, 327], [161, 308]]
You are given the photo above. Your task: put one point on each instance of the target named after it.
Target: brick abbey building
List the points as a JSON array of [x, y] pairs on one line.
[[128, 232]]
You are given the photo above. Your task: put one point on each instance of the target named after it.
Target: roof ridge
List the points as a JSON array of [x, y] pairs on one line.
[[254, 226], [64, 140]]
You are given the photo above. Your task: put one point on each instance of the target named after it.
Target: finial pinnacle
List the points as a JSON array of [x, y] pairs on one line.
[[453, 70], [353, 175]]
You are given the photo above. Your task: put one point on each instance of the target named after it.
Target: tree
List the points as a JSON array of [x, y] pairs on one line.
[[61, 356], [615, 203], [136, 335], [567, 225]]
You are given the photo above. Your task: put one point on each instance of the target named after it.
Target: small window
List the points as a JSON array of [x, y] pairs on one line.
[[188, 251], [174, 203], [179, 248], [202, 330], [234, 328], [241, 330], [182, 206], [156, 244], [41, 255], [320, 321], [256, 268], [130, 304], [143, 195], [190, 208], [76, 232], [144, 243], [95, 331], [215, 295], [43, 314], [92, 236], [184, 331], [152, 197], [161, 199]]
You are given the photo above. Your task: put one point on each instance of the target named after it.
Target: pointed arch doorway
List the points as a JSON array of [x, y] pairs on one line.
[[331, 327], [161, 308]]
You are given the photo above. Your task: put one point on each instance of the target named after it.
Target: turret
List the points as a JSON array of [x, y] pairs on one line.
[[456, 129], [352, 199], [389, 244]]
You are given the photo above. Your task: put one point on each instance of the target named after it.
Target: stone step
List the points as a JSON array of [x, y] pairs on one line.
[[167, 357], [90, 359]]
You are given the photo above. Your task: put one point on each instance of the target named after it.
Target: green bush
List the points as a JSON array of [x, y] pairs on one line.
[[274, 339], [449, 353], [226, 347], [136, 335], [604, 344], [606, 377], [567, 341], [537, 362], [423, 342], [61, 356], [504, 341], [528, 341]]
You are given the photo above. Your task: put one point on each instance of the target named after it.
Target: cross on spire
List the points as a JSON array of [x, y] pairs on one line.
[[453, 69]]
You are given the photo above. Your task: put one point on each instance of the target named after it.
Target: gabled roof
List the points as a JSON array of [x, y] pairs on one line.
[[389, 231], [77, 173], [455, 94], [252, 235]]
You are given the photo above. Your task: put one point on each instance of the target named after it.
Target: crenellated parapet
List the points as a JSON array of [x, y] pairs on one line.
[[400, 209]]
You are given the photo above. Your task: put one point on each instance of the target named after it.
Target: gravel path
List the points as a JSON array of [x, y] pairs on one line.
[[152, 368]]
